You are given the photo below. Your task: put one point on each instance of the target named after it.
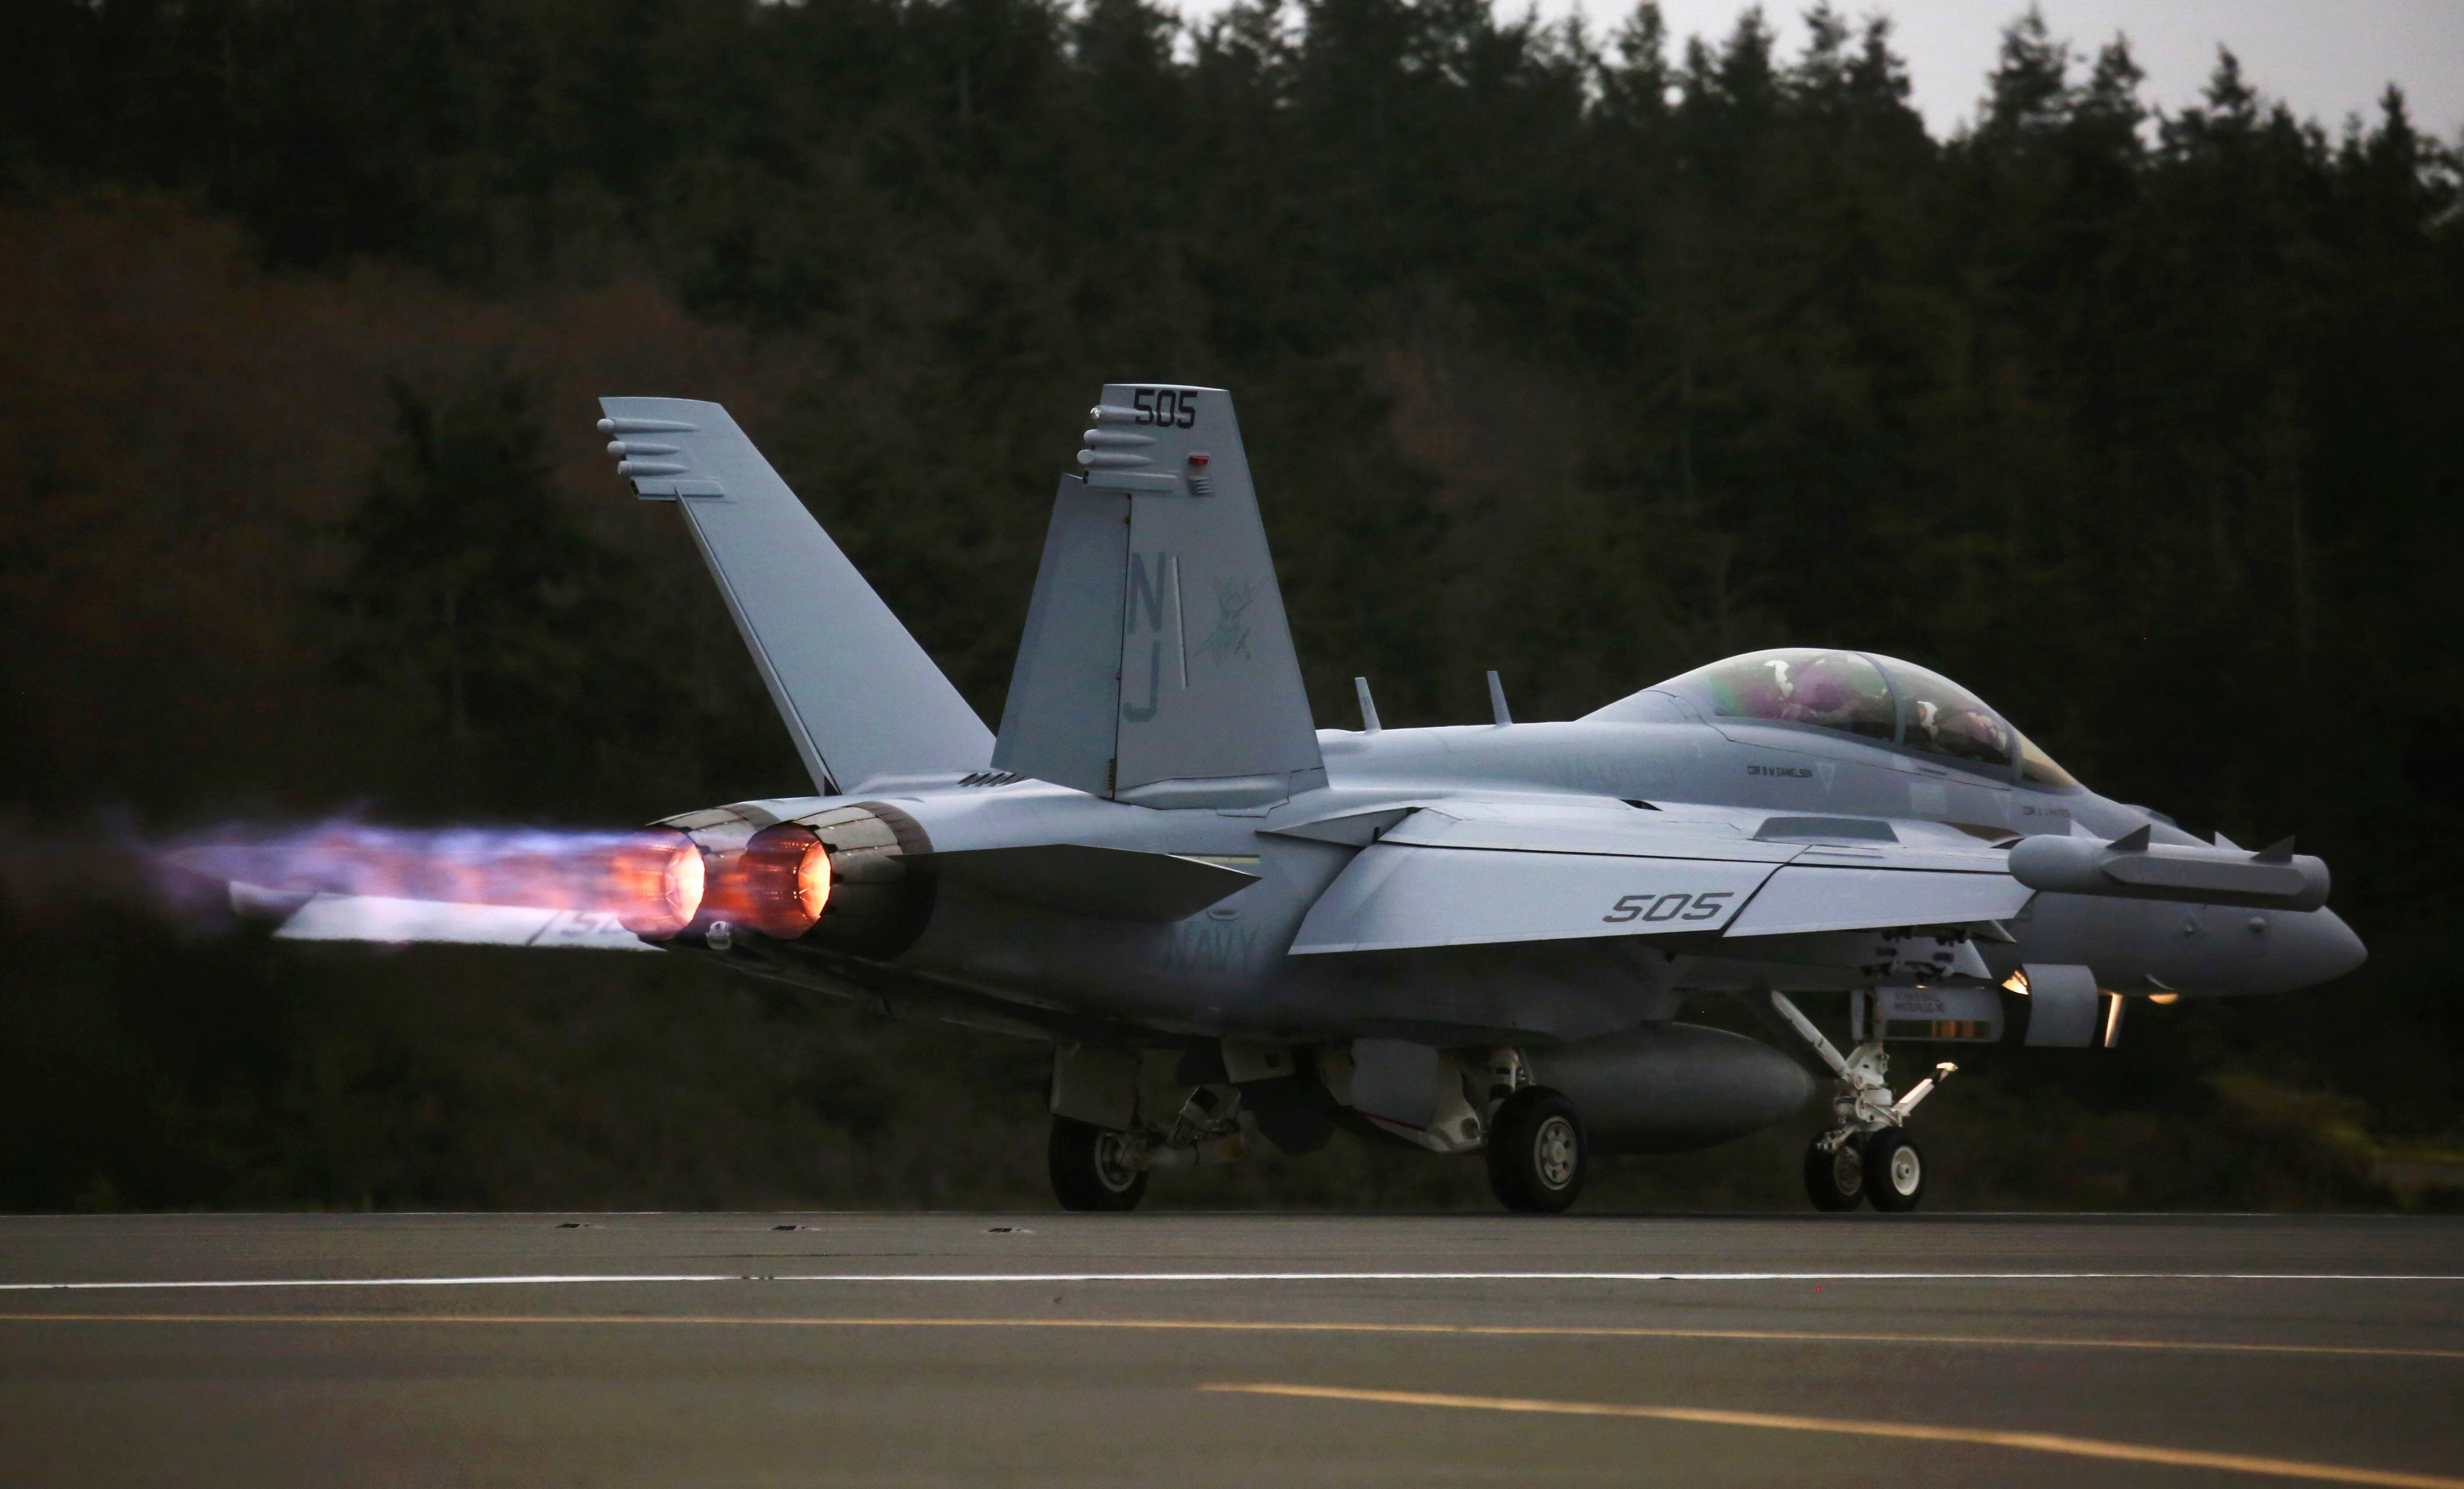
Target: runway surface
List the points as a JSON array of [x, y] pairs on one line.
[[1230, 1349]]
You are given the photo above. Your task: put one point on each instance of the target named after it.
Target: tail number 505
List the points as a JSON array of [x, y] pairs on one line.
[[1172, 408], [1669, 907]]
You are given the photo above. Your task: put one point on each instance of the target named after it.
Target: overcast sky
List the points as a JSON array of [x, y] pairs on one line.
[[2327, 58]]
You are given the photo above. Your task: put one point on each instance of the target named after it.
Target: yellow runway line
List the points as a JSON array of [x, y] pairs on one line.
[[2033, 1442], [1268, 1327]]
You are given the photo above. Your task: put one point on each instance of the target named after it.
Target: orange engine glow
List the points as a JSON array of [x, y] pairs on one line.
[[656, 882], [779, 884], [651, 881]]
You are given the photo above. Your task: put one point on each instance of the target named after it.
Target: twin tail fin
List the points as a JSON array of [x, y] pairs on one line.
[[1157, 665], [860, 696]]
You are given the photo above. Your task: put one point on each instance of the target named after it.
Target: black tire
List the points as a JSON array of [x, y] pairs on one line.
[[1894, 1172], [1087, 1168], [1835, 1180], [1536, 1153]]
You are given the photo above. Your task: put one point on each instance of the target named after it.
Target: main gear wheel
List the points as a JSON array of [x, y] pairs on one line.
[[1091, 1168], [1536, 1152]]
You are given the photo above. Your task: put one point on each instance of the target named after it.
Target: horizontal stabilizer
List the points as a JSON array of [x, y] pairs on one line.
[[1110, 883], [391, 921], [858, 694]]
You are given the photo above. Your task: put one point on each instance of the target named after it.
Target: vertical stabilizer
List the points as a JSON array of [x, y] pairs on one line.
[[858, 694], [1065, 690], [1157, 666]]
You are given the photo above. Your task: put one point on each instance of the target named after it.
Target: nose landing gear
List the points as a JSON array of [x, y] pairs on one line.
[[1835, 1170], [1866, 1156], [1894, 1171]]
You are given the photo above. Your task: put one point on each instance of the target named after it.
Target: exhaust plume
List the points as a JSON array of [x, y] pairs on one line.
[[651, 880]]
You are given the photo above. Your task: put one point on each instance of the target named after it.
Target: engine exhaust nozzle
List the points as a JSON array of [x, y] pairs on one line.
[[656, 882], [778, 883]]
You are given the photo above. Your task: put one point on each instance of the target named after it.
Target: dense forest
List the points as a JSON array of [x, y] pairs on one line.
[[1589, 358]]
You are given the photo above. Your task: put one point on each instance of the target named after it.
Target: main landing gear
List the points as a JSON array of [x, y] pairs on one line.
[[1104, 1168], [1866, 1155], [1091, 1167], [1536, 1152]]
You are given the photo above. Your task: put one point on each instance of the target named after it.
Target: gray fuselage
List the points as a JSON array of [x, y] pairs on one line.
[[1228, 969]]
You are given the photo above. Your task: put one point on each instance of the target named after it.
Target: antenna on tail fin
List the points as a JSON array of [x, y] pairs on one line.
[[1157, 666]]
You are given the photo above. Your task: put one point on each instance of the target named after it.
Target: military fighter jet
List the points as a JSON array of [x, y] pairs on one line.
[[1231, 924]]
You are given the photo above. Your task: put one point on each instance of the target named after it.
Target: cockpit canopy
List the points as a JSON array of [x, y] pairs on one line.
[[1880, 699]]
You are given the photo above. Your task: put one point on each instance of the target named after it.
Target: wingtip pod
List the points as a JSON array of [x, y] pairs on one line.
[[2132, 867]]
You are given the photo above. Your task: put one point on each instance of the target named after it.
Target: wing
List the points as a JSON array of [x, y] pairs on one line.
[[1471, 874]]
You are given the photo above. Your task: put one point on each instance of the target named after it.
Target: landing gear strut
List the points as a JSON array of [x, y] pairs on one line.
[[1866, 1155]]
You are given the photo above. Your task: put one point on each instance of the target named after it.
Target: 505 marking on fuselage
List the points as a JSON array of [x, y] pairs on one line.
[[1669, 907]]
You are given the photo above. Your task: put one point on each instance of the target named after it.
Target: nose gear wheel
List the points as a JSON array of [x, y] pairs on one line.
[[1894, 1172], [1835, 1176]]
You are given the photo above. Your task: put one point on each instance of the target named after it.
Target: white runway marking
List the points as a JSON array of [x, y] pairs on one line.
[[1235, 1326], [552, 1280]]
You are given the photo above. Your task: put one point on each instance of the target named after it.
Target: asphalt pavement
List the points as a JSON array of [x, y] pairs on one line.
[[1187, 1350]]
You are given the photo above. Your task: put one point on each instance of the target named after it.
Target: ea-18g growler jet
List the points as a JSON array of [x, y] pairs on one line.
[[1233, 925]]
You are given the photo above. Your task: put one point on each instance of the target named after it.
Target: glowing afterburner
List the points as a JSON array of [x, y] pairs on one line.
[[651, 880], [778, 883]]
